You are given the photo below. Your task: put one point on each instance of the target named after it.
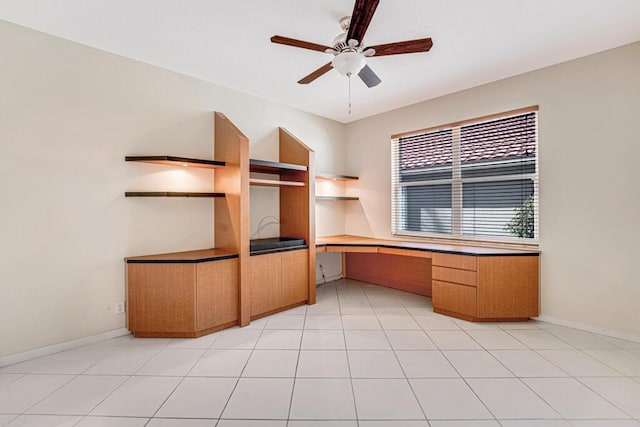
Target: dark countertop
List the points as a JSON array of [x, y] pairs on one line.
[[420, 246], [188, 257], [275, 244]]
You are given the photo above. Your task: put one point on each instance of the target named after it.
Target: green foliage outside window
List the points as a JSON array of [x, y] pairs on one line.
[[521, 225]]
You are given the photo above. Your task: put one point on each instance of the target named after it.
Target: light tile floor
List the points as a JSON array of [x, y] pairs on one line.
[[362, 356]]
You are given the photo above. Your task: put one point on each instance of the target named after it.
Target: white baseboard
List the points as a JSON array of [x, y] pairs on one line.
[[327, 279], [56, 348], [590, 328]]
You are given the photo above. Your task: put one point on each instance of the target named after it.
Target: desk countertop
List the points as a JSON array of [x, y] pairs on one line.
[[346, 240]]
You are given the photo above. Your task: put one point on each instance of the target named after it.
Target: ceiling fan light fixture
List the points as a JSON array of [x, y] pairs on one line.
[[348, 63]]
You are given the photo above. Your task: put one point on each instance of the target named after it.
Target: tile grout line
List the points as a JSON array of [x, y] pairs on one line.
[[240, 375], [346, 351], [176, 386], [295, 372], [384, 331]]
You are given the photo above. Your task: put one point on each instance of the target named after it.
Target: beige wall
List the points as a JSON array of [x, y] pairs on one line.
[[68, 116], [589, 123]]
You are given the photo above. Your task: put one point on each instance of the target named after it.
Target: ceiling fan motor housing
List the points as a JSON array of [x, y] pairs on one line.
[[340, 41]]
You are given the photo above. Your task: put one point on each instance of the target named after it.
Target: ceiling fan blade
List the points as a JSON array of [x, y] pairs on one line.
[[299, 43], [363, 11], [369, 78], [409, 46], [317, 73]]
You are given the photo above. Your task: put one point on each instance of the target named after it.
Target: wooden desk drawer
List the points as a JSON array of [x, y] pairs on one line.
[[365, 249], [454, 275], [454, 298], [405, 252], [463, 262]]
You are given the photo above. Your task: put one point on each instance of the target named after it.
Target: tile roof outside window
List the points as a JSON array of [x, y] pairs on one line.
[[504, 139]]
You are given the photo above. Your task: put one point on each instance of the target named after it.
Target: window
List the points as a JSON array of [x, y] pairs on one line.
[[476, 179]]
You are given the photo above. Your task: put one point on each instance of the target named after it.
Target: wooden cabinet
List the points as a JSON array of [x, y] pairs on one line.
[[279, 281], [486, 288], [181, 299], [508, 287], [189, 294]]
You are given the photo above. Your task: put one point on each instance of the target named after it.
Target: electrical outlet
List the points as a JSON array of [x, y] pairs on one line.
[[120, 307]]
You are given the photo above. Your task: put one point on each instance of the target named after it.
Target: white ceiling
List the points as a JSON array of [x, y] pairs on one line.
[[227, 42]]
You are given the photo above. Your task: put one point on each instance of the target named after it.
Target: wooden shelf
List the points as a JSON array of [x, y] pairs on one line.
[[336, 198], [274, 183], [170, 194], [176, 161], [265, 166], [335, 177]]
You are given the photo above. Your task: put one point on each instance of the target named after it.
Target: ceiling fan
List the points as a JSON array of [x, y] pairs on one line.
[[348, 49]]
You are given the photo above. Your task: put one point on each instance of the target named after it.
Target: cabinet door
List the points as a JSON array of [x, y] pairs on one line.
[[266, 278], [161, 297], [508, 287], [295, 277], [217, 293]]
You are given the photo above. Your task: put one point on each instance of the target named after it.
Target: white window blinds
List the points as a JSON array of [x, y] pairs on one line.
[[478, 179]]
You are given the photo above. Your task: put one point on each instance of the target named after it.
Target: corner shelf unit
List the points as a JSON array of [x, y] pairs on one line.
[[327, 176]]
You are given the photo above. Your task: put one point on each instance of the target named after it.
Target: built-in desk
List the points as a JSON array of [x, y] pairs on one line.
[[468, 282]]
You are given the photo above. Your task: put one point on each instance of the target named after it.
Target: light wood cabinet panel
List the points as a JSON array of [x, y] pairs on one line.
[[508, 287], [462, 262], [295, 277], [458, 300], [161, 297], [266, 279], [453, 275], [217, 293], [409, 274]]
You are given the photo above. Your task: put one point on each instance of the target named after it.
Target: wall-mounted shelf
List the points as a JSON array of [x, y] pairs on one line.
[[274, 183], [176, 161], [265, 166], [170, 194], [335, 198], [335, 177]]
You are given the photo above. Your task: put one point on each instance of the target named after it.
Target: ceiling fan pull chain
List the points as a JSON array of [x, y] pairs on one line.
[[349, 77]]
